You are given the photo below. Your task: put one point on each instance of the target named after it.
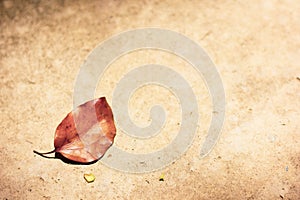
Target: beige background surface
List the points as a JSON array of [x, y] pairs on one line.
[[255, 46]]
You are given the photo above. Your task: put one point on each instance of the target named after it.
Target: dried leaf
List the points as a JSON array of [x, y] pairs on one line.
[[86, 133]]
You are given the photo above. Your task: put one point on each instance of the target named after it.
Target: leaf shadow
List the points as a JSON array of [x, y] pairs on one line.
[[72, 162]]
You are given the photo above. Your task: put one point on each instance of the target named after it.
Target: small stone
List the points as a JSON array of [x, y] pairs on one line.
[[89, 177], [162, 177]]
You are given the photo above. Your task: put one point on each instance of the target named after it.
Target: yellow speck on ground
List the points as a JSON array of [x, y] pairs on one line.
[[89, 177], [162, 177]]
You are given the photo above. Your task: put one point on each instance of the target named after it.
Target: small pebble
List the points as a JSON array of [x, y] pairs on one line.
[[89, 177], [162, 177]]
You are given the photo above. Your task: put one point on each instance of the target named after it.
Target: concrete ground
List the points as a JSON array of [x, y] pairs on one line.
[[255, 46]]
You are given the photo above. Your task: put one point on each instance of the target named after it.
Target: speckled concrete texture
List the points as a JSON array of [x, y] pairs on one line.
[[255, 46]]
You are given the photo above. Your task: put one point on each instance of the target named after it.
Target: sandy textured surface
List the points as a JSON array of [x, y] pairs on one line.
[[255, 46]]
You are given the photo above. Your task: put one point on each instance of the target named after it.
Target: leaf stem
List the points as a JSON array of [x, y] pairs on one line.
[[43, 154]]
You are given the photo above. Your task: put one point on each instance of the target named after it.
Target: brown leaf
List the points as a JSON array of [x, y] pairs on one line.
[[86, 133]]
